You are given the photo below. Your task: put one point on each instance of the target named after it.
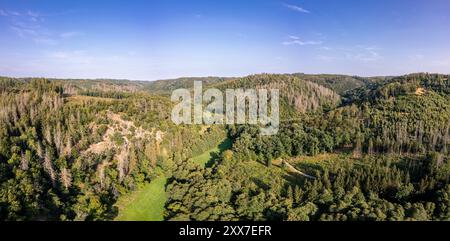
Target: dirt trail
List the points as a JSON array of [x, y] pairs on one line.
[[420, 91], [292, 169]]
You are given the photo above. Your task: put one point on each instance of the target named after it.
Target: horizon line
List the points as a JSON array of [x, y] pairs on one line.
[[215, 76]]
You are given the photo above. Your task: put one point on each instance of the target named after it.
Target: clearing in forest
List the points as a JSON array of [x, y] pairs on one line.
[[145, 204], [208, 157]]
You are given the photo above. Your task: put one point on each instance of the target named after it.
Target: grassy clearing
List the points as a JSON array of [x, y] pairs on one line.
[[208, 157], [145, 204]]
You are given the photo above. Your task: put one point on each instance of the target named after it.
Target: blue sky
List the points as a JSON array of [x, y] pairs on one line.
[[148, 40]]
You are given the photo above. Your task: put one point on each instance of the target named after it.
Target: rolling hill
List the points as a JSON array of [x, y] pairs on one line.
[[76, 149]]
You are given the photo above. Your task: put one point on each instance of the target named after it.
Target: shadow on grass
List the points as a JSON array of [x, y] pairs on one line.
[[215, 155]]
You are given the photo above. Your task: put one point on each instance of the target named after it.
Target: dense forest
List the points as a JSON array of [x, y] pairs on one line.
[[348, 148]]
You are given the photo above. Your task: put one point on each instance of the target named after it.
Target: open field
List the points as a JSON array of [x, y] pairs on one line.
[[146, 204], [208, 157]]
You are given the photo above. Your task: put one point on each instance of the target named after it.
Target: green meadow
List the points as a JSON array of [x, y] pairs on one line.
[[145, 204]]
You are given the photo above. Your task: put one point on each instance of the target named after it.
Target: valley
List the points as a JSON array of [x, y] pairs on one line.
[[348, 148]]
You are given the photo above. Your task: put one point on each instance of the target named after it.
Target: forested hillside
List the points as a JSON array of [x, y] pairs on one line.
[[297, 95], [349, 148], [340, 83], [383, 157], [69, 157]]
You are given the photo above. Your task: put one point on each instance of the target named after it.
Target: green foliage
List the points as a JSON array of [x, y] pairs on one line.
[[398, 170], [69, 157], [69, 150]]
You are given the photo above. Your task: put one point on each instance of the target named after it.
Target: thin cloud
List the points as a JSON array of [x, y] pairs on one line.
[[23, 32], [302, 43], [6, 13], [29, 25], [358, 53], [326, 48], [26, 24], [294, 40], [296, 8], [364, 54], [33, 14], [15, 13], [34, 17], [73, 57]]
